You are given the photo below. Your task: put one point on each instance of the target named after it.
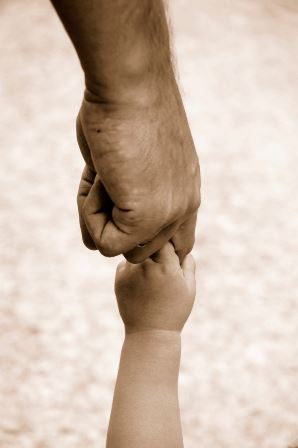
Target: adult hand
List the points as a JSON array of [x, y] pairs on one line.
[[141, 182]]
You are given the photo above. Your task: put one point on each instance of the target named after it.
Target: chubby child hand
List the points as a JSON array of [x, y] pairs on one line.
[[157, 294]]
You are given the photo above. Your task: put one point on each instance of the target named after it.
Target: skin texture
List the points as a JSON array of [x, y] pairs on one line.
[[155, 299], [158, 294], [141, 182]]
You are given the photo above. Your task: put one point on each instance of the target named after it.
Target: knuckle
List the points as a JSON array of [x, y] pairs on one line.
[[196, 202], [89, 243], [79, 201], [134, 257], [84, 209], [86, 212], [86, 237], [108, 248], [184, 245], [137, 219], [188, 248], [183, 251]]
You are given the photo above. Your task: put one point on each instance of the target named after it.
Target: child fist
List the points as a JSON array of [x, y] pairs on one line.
[[157, 294]]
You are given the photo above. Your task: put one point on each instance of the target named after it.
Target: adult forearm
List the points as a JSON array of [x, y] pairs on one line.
[[145, 410], [120, 43]]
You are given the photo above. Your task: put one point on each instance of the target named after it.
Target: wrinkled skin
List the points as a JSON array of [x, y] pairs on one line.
[[157, 294], [141, 182]]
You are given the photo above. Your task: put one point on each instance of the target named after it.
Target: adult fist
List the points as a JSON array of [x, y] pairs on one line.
[[141, 183]]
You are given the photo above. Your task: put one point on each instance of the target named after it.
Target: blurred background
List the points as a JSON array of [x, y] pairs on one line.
[[59, 328]]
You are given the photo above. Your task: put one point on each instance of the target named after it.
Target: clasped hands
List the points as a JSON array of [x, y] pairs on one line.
[[141, 181]]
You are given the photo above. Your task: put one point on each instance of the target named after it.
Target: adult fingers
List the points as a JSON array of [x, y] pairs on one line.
[[167, 256], [150, 249], [98, 215], [86, 183], [184, 238], [83, 145], [189, 270]]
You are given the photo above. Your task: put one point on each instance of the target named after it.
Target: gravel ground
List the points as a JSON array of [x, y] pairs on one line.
[[59, 329]]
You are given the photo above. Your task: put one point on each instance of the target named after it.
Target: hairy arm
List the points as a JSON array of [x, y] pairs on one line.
[[141, 182], [145, 411], [119, 42]]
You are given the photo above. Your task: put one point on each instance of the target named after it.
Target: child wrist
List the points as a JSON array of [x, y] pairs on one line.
[[157, 338]]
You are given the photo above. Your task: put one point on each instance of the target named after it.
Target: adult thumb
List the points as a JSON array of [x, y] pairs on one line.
[[98, 213]]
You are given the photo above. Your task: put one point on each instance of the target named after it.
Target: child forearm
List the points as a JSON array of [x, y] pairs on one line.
[[155, 299], [145, 411]]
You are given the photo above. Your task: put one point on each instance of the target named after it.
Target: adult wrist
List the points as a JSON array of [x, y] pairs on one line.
[[143, 91]]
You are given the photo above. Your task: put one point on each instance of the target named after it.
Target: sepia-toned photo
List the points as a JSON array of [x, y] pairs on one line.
[[149, 224]]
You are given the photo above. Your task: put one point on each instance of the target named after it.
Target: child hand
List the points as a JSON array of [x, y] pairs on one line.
[[157, 294]]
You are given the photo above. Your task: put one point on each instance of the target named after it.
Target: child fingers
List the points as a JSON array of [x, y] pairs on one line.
[[151, 249], [184, 238], [126, 268], [189, 270], [189, 265], [166, 255]]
